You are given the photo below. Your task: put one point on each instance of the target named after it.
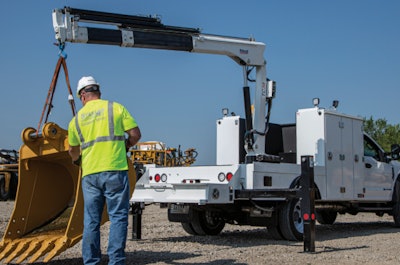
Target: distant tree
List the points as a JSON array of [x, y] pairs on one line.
[[385, 134]]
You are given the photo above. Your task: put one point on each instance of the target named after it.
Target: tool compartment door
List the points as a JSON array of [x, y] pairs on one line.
[[343, 139]]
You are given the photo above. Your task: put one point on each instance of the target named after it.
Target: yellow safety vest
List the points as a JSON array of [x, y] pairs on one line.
[[99, 128]]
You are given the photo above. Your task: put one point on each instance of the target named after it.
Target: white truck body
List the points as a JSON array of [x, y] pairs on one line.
[[335, 140], [347, 178]]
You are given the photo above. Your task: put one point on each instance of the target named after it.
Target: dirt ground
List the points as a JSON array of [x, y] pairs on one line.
[[360, 239]]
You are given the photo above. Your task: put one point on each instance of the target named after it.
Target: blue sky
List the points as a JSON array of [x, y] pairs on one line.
[[344, 50]]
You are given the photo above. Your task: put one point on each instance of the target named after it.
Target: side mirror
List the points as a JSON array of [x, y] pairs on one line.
[[395, 150]]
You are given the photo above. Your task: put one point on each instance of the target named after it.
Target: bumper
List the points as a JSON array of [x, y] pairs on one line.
[[200, 194]]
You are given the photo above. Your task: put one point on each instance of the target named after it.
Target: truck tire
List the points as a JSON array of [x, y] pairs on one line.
[[291, 221], [207, 223], [325, 217], [275, 232], [396, 206], [188, 227]]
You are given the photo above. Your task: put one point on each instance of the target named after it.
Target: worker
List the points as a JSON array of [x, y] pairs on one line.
[[96, 136]]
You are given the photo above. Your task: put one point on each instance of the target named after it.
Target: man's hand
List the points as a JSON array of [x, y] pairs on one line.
[[75, 153], [78, 162]]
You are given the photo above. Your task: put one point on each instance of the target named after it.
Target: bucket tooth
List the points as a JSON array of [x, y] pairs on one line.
[[60, 245], [20, 248], [47, 245], [8, 249], [2, 245], [32, 248]]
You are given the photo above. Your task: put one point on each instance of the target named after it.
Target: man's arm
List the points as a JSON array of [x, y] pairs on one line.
[[74, 152], [134, 136]]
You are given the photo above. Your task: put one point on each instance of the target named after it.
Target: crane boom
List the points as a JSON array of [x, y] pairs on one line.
[[149, 32], [132, 31], [72, 25]]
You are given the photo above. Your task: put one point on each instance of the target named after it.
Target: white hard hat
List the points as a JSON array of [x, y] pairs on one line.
[[84, 82]]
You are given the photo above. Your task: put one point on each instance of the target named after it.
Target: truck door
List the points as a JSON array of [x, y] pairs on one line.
[[378, 174]]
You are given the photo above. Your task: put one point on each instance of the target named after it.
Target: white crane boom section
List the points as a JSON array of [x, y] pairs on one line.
[[72, 25]]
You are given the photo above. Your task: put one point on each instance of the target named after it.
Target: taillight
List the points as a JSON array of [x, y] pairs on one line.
[[222, 176], [157, 178], [163, 177]]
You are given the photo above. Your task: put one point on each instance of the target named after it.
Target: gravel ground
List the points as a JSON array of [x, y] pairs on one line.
[[360, 239]]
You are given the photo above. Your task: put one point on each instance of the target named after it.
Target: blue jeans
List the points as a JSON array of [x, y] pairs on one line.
[[112, 188]]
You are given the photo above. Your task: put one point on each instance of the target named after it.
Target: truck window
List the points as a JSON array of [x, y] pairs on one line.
[[371, 149]]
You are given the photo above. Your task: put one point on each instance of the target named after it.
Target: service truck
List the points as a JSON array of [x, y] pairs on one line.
[[253, 156], [352, 174]]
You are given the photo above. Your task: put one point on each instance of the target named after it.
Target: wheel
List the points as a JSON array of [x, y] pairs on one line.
[[273, 229], [4, 194], [291, 221], [207, 223], [325, 217], [275, 232], [188, 227], [396, 206]]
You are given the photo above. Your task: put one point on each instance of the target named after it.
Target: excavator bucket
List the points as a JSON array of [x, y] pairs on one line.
[[48, 212]]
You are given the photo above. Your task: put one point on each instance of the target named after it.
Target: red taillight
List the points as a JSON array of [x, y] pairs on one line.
[[157, 178], [306, 216], [229, 176]]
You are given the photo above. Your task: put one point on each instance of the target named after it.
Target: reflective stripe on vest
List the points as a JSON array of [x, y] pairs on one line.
[[111, 137]]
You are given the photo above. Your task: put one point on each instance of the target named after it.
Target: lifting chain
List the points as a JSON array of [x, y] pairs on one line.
[[48, 104]]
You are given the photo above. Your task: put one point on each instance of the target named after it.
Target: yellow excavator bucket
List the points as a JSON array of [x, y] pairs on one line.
[[48, 212]]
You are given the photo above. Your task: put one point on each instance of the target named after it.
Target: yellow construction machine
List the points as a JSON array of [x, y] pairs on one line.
[[155, 152], [8, 174]]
